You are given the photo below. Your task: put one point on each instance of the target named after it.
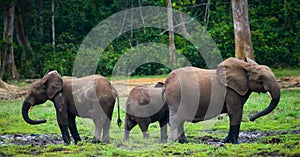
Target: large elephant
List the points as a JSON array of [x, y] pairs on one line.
[[144, 106], [88, 97], [195, 94]]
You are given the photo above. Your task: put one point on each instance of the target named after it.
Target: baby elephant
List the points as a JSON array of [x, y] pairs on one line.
[[144, 106]]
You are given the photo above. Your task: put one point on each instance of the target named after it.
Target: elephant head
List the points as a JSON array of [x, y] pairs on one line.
[[244, 77], [41, 91]]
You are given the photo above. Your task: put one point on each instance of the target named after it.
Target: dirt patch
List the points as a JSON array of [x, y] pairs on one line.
[[8, 92], [292, 82], [125, 86]]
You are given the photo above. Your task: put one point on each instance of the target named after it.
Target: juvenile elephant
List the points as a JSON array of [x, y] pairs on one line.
[[88, 97], [195, 94], [144, 106]]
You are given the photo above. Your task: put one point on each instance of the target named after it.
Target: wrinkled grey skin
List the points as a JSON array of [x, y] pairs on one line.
[[88, 97], [195, 94], [144, 106]]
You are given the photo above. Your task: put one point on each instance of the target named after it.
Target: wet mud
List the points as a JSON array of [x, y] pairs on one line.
[[244, 137], [30, 139]]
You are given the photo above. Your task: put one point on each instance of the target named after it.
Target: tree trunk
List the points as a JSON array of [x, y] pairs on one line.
[[183, 30], [20, 32], [242, 36], [8, 61], [171, 35], [53, 25], [41, 21]]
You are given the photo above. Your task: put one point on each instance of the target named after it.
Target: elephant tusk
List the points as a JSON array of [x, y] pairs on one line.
[[270, 96], [30, 109]]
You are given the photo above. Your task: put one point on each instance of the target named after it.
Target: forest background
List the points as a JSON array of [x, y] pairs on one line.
[[274, 28]]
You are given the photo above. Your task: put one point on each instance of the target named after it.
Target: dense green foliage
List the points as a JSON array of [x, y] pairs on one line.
[[274, 26], [283, 119]]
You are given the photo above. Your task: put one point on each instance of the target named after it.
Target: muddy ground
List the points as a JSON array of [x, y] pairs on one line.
[[244, 137]]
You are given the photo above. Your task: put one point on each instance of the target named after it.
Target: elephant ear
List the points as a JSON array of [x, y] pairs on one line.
[[53, 82], [231, 73]]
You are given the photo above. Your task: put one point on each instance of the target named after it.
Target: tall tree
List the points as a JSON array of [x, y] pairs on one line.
[[171, 35], [7, 57], [53, 24], [242, 36], [22, 11]]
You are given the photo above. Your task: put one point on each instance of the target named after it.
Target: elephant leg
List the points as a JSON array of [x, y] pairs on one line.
[[144, 127], [73, 128], [106, 127], [234, 106], [174, 123], [65, 133], [129, 124], [163, 129], [62, 120], [181, 138], [235, 122], [98, 128], [233, 135], [235, 117]]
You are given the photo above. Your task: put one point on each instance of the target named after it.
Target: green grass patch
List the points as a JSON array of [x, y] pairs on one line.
[[284, 118], [280, 72]]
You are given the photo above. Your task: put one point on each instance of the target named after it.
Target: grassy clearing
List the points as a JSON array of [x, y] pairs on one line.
[[284, 118], [286, 72]]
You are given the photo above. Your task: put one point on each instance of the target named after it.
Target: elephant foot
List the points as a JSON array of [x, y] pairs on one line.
[[125, 139], [146, 135], [182, 138], [96, 141], [76, 141], [67, 143], [126, 135], [232, 140], [67, 140], [106, 141], [183, 141], [233, 135], [164, 139]]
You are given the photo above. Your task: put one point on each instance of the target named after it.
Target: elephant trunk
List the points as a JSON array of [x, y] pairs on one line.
[[25, 107], [275, 94]]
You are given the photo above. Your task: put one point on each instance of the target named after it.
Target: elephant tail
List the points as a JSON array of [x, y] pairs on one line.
[[116, 95]]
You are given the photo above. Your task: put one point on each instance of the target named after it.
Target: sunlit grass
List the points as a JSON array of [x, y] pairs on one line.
[[286, 72]]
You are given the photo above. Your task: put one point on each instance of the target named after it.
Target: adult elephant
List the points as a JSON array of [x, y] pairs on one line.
[[88, 97], [144, 106], [194, 94]]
